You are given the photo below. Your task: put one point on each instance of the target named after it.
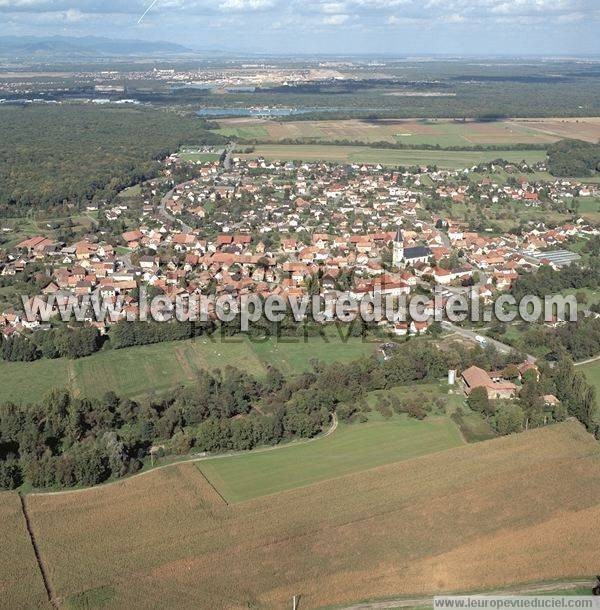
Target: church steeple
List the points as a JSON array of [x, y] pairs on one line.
[[398, 254], [399, 237]]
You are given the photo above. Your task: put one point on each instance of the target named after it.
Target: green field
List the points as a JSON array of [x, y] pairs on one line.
[[389, 157], [197, 155], [592, 372], [131, 191], [351, 448], [21, 228], [135, 371]]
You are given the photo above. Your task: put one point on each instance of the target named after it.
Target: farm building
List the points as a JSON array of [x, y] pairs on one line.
[[474, 377]]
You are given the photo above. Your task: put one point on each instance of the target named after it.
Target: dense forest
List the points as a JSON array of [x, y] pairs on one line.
[[574, 158], [50, 155], [467, 97], [68, 440]]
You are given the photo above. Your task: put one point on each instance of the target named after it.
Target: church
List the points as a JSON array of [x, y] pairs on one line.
[[408, 256]]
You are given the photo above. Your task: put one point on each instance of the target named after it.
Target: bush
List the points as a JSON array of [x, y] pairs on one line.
[[345, 412], [509, 418], [10, 474], [414, 410]]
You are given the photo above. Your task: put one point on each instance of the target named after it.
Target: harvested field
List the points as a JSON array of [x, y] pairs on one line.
[[21, 584], [511, 510], [587, 129]]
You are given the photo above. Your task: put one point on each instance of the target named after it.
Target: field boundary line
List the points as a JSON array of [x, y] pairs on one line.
[[329, 432], [38, 556], [213, 487]]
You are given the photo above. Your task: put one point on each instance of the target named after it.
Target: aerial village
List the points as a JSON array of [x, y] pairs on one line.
[[281, 228]]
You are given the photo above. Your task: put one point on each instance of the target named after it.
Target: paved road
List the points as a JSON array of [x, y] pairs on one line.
[[503, 348], [403, 602], [162, 208], [166, 216], [445, 239], [227, 158]]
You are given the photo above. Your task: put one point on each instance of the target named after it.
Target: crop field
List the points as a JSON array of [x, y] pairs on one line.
[[587, 129], [512, 510], [21, 584], [135, 371], [389, 157], [352, 448], [409, 131]]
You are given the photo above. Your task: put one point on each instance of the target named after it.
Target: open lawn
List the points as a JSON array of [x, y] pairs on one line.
[[21, 584], [390, 157], [351, 448], [135, 371], [512, 510], [291, 355], [191, 154]]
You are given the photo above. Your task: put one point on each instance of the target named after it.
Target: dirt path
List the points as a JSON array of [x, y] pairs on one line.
[[427, 600], [588, 361], [36, 550], [200, 458]]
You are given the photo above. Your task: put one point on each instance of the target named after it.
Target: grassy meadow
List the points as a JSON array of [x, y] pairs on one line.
[[389, 157], [352, 448], [189, 154], [136, 371], [592, 372], [15, 230], [513, 510]]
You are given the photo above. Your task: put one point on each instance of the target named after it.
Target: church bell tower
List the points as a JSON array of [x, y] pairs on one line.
[[398, 255]]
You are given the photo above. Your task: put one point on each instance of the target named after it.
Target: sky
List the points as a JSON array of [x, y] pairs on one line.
[[395, 27]]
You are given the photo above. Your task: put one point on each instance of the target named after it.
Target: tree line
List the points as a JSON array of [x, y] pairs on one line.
[[392, 145], [547, 281], [68, 440]]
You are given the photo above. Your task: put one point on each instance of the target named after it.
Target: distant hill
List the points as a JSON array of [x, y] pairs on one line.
[[89, 46]]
